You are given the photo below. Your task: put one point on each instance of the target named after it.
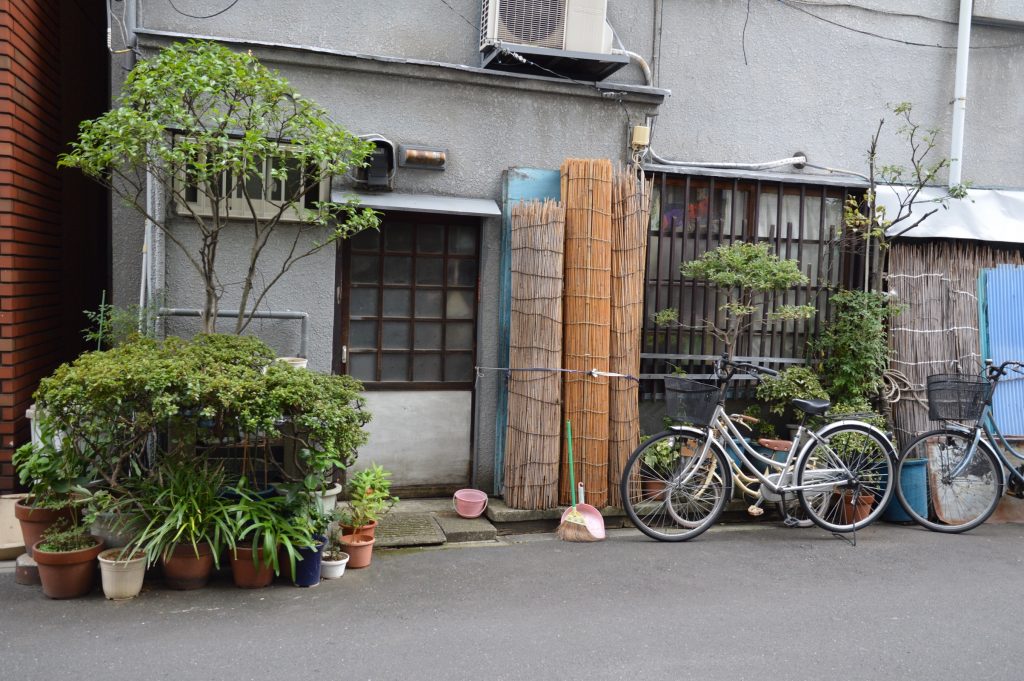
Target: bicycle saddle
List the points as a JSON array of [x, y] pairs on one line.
[[812, 407]]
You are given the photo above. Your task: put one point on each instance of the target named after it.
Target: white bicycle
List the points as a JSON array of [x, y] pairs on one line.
[[676, 484]]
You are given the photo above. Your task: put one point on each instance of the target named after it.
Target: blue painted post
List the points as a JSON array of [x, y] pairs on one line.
[[521, 184]]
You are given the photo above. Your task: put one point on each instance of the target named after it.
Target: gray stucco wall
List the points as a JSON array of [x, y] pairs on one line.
[[745, 88]]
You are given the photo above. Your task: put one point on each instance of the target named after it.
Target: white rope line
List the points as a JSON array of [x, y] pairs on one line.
[[935, 361], [593, 373], [951, 328]]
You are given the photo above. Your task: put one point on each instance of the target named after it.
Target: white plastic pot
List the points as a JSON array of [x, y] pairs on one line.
[[332, 569], [329, 498], [122, 579]]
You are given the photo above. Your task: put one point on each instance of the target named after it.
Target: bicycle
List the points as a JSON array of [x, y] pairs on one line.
[[965, 466], [676, 484]]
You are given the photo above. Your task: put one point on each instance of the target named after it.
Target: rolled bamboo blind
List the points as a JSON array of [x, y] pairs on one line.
[[587, 197], [630, 219], [533, 442]]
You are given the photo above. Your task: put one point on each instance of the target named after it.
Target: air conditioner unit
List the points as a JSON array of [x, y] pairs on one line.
[[573, 25], [569, 37]]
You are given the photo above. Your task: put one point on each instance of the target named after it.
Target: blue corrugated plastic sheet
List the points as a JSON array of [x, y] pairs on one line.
[[1005, 292]]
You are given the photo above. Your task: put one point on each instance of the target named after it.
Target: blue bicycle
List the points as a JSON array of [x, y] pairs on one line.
[[964, 462]]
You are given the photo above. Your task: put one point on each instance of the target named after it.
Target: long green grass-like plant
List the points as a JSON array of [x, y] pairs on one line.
[[269, 523], [181, 504]]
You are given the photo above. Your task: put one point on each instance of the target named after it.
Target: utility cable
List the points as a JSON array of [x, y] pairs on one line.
[[205, 16]]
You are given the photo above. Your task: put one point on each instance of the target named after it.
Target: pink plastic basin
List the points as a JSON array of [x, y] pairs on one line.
[[470, 503]]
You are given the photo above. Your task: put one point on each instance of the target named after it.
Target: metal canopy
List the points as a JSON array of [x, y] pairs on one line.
[[421, 203]]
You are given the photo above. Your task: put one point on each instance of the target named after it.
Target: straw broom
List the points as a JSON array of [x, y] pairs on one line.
[[574, 525]]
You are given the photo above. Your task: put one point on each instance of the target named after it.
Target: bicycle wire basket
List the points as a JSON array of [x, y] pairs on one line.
[[689, 401], [957, 397]]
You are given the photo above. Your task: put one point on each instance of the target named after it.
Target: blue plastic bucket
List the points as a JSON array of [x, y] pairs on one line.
[[914, 483]]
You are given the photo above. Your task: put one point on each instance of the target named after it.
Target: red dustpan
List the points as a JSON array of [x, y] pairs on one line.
[[592, 517]]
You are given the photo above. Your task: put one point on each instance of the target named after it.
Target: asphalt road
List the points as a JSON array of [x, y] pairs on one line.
[[737, 603]]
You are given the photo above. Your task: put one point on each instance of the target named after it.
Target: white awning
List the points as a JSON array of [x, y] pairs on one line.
[[985, 215], [421, 203]]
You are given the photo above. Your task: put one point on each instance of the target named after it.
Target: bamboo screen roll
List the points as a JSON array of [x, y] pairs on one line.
[[587, 197], [937, 330], [533, 442], [630, 223]]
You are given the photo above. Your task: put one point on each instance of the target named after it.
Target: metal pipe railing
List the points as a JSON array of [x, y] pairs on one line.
[[270, 314]]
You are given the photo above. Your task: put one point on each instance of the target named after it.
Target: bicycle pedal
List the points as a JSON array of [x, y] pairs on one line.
[[790, 521], [755, 511]]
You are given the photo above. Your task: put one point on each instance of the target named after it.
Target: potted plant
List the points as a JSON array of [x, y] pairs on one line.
[[308, 568], [185, 522], [122, 572], [369, 499], [658, 461], [66, 556], [332, 565], [52, 477], [262, 526]]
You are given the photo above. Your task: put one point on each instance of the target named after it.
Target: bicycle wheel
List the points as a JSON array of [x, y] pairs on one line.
[[846, 471], [943, 502], [674, 487]]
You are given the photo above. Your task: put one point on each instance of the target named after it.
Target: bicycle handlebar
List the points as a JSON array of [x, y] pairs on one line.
[[724, 363], [997, 372]]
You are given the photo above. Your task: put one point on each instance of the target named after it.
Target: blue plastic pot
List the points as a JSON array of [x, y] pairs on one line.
[[914, 483], [307, 570]]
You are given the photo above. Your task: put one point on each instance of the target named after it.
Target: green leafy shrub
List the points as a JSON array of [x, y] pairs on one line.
[[796, 382], [854, 344]]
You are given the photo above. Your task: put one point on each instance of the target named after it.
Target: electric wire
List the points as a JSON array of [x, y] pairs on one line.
[[792, 4], [204, 16]]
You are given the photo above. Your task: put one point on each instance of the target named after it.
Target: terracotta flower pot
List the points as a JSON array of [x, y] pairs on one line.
[[122, 579], [67, 574], [854, 510], [359, 548], [184, 570], [365, 529], [35, 521], [246, 573], [653, 490]]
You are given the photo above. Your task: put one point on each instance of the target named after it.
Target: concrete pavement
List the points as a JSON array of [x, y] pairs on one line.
[[740, 602]]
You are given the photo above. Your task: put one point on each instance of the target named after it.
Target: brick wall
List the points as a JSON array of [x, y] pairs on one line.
[[49, 79]]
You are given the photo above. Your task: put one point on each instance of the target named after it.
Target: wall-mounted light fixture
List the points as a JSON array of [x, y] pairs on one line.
[[424, 158]]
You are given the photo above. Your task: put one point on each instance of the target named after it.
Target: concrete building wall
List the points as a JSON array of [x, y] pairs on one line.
[[746, 86]]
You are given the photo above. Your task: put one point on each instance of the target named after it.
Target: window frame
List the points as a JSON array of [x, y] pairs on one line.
[[344, 318], [237, 207]]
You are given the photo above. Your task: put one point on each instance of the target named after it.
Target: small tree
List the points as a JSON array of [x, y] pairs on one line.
[[865, 219], [215, 128], [745, 275]]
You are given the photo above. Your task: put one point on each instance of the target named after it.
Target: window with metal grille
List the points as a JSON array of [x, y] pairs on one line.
[[261, 193], [691, 215], [409, 295]]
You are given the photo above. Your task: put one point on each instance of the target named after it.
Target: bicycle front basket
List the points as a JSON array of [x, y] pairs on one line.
[[957, 397], [690, 401]]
